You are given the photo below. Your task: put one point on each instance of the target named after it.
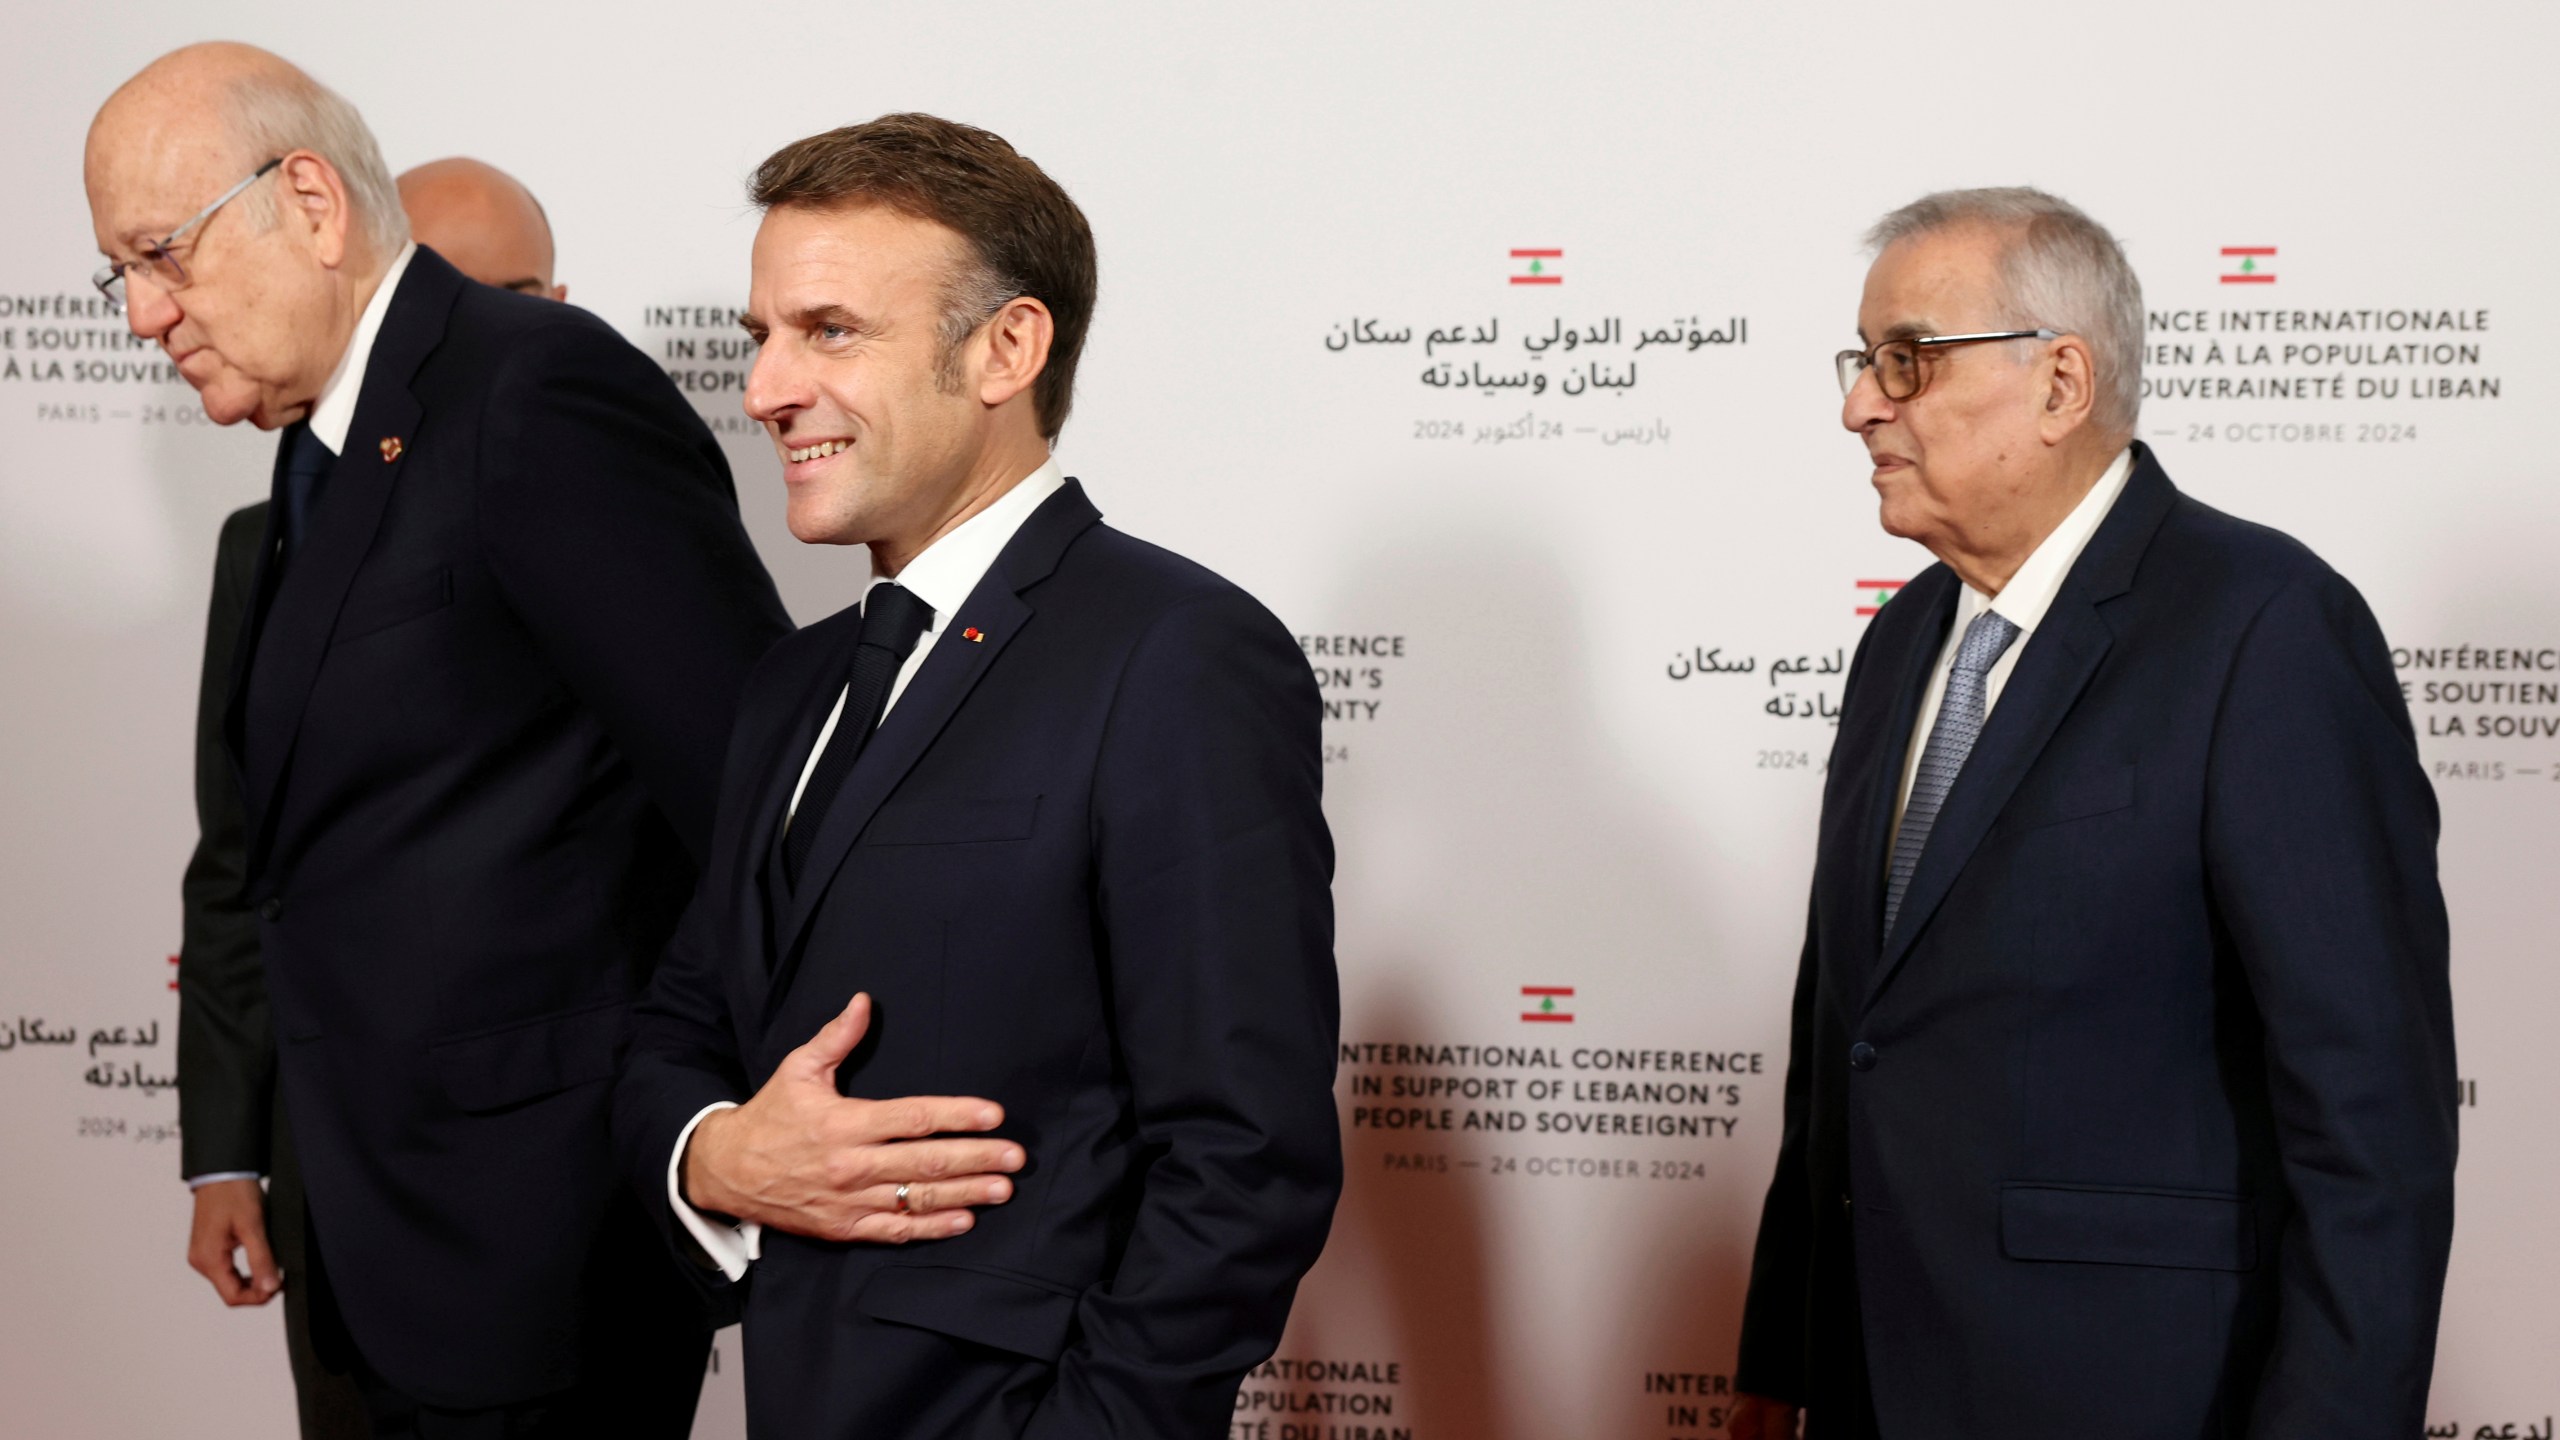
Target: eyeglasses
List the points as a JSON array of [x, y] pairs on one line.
[[163, 267], [1897, 363]]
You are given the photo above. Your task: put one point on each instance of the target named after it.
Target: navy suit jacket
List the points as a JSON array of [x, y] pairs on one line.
[[1083, 871], [477, 722], [2142, 1124]]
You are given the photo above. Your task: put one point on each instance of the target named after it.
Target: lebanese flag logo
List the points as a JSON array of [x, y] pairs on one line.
[[1874, 594], [2248, 264], [1537, 267], [1544, 1002]]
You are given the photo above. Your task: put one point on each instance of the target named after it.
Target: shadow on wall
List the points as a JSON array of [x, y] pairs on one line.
[[1492, 835]]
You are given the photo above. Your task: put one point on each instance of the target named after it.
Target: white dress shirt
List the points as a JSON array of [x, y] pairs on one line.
[[2022, 602], [330, 417], [942, 576], [335, 410]]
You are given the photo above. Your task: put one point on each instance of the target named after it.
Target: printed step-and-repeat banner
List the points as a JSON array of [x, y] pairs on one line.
[[1490, 345]]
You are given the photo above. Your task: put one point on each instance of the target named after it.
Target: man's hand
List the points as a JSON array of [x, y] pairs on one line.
[[799, 1157], [1757, 1417], [232, 1215]]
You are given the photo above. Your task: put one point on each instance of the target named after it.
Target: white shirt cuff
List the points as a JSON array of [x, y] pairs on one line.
[[731, 1247], [198, 1182]]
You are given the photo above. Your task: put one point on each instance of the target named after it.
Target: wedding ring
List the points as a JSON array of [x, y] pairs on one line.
[[902, 1199]]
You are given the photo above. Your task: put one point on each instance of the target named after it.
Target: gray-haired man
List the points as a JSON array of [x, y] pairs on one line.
[[484, 673], [2122, 1095]]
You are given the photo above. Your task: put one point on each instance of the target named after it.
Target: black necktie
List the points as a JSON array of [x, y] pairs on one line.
[[306, 472], [891, 620]]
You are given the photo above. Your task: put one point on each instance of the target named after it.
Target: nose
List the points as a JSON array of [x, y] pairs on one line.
[[775, 388], [149, 311], [1865, 406]]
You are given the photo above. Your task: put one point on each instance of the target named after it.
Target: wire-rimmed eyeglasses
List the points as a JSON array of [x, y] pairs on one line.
[[1897, 363], [163, 266]]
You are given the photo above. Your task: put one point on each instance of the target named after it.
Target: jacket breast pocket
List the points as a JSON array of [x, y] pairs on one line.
[[1020, 1315], [372, 609], [2076, 796], [525, 1061], [954, 822], [2107, 1225]]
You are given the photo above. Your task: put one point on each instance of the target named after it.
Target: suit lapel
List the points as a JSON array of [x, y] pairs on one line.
[[810, 700], [997, 612], [303, 610], [2061, 657], [1880, 779]]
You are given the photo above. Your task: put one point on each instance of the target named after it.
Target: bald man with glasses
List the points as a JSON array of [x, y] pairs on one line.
[[246, 1238], [497, 620]]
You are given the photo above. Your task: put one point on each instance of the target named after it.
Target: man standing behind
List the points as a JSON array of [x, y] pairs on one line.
[[231, 1118], [1080, 869], [482, 221], [2121, 1100], [491, 649]]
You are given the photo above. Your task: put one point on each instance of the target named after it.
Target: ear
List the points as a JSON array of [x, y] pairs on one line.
[[560, 291], [313, 202], [1017, 350], [2070, 389]]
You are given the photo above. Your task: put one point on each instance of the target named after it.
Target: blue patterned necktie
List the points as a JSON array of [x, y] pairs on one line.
[[1950, 741]]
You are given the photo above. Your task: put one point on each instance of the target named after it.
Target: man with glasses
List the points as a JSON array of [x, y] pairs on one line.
[[498, 620], [232, 1132], [2121, 1099]]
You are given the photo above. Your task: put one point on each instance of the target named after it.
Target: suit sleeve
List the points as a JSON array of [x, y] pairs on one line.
[[609, 519], [2320, 847], [1215, 873], [1776, 1309], [226, 1050], [1775, 1317], [683, 1055]]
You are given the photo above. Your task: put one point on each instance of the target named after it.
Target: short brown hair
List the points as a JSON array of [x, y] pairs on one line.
[[1028, 237]]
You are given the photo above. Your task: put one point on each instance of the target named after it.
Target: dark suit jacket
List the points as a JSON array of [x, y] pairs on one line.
[[2143, 1123], [477, 735], [226, 1049], [1083, 871], [229, 1108]]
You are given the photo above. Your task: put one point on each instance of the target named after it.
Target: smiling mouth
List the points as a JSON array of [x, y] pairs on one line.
[[819, 451]]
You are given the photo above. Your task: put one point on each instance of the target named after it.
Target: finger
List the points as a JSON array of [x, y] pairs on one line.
[[880, 1229], [215, 1265], [925, 1197], [836, 1039], [913, 1117], [265, 1276]]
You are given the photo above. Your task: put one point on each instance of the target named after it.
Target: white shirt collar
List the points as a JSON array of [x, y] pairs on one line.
[[944, 573], [335, 411], [2029, 593]]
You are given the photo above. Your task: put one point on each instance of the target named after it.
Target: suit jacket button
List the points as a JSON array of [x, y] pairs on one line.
[[271, 910], [1862, 1056]]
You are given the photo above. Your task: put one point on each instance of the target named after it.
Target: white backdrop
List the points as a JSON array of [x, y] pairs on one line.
[[1577, 561]]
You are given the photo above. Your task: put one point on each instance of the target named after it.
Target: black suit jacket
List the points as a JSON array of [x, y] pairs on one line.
[[2143, 1123], [226, 1049], [1083, 870], [477, 732]]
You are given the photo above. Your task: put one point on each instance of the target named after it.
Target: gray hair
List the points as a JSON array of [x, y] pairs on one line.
[[2060, 270], [273, 114]]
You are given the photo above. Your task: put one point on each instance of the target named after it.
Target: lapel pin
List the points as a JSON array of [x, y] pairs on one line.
[[390, 448], [973, 635]]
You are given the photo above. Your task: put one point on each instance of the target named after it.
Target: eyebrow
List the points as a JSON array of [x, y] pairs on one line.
[[1906, 330], [528, 285]]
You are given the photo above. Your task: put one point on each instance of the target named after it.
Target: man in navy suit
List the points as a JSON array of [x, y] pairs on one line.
[[2122, 1092], [1035, 825], [491, 648], [233, 1131]]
